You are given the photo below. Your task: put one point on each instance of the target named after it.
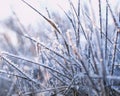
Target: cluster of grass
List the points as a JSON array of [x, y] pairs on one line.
[[63, 63]]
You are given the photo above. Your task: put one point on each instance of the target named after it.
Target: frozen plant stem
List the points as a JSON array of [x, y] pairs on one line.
[[78, 30], [37, 64], [74, 13], [100, 17], [69, 87], [50, 22], [114, 51], [19, 69], [106, 34]]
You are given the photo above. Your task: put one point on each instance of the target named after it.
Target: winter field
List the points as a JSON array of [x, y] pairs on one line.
[[60, 48]]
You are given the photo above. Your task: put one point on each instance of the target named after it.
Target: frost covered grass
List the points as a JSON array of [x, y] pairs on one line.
[[76, 56]]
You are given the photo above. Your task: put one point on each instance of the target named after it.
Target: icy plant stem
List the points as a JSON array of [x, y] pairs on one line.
[[78, 30], [114, 52], [100, 17], [20, 70], [37, 64]]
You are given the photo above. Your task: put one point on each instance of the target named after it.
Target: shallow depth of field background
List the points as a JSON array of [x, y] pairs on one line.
[[59, 48]]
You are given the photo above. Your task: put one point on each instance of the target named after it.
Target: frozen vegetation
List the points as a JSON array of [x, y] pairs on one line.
[[75, 54]]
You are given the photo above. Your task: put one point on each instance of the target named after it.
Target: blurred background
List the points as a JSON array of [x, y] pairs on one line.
[[21, 30]]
